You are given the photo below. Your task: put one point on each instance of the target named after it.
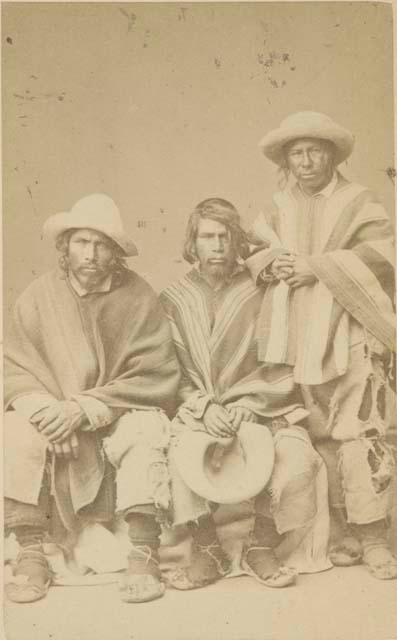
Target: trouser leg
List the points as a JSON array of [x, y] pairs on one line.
[[137, 450], [351, 437], [284, 513], [20, 517]]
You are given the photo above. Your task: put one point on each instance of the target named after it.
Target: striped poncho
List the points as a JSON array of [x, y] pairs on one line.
[[215, 338], [347, 238]]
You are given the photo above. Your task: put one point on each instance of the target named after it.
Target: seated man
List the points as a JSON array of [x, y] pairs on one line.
[[325, 254], [213, 313], [90, 371]]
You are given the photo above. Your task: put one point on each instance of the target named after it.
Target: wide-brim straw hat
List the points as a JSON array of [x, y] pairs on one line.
[[307, 124], [96, 211], [226, 470]]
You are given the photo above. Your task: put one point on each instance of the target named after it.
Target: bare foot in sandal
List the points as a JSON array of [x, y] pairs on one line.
[[346, 553], [209, 563], [377, 556], [381, 563], [142, 580], [32, 576], [261, 563]]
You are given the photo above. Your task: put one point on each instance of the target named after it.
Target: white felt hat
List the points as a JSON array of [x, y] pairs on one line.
[[226, 470], [307, 124], [96, 211]]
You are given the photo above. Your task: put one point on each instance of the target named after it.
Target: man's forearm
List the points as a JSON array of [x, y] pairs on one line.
[[258, 263], [98, 414], [30, 404]]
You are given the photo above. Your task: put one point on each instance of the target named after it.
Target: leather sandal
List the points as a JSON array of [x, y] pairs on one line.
[[142, 581], [265, 568], [33, 579], [381, 563], [209, 563]]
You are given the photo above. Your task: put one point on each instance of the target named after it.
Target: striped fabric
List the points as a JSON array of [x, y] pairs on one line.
[[347, 237], [215, 337]]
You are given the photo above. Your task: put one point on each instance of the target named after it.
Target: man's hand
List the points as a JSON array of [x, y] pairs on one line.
[[302, 273], [217, 421], [239, 415], [282, 267], [68, 449], [58, 421]]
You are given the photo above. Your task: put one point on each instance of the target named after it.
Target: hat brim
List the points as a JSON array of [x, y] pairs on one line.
[[246, 463], [64, 221], [273, 143]]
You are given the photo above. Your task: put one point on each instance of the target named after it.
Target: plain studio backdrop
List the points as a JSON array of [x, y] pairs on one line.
[[163, 105]]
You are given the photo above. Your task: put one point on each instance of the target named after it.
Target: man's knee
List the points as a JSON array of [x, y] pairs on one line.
[[137, 449], [141, 430], [294, 453], [293, 482]]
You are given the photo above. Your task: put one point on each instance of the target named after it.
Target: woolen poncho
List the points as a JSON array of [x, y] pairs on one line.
[[115, 347]]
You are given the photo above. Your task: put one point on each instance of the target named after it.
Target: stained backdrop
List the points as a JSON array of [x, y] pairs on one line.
[[162, 105]]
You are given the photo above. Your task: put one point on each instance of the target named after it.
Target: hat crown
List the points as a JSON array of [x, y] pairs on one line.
[[307, 124], [304, 118], [97, 212], [99, 209]]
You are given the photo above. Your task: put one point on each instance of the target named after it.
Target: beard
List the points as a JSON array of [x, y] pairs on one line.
[[219, 272]]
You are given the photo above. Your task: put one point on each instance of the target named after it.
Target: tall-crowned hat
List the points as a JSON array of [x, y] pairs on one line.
[[226, 470], [307, 124], [96, 211]]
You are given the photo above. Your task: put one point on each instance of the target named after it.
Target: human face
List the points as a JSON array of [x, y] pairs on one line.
[[90, 257], [311, 162], [214, 249]]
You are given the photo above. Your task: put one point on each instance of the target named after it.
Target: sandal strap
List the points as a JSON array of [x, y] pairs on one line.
[[216, 553], [144, 560], [258, 548], [145, 552]]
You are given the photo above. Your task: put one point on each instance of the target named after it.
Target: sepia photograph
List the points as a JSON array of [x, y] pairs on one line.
[[199, 362]]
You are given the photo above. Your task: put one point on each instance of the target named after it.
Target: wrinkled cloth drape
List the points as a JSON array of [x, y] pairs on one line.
[[215, 339], [348, 240], [115, 347]]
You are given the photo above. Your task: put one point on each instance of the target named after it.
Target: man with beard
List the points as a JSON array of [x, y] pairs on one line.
[[90, 375], [213, 313], [324, 254]]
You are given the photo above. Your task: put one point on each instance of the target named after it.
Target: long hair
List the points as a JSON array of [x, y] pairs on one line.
[[118, 264], [221, 211]]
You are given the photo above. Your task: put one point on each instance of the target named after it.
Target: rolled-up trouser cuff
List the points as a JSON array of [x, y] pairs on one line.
[[141, 509]]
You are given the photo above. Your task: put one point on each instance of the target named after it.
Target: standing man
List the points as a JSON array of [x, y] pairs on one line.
[[213, 313], [90, 374], [325, 255]]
